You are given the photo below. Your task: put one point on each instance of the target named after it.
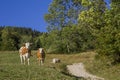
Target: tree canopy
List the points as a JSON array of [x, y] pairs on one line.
[[62, 13]]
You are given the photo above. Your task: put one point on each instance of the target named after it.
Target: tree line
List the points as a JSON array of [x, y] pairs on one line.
[[12, 38]]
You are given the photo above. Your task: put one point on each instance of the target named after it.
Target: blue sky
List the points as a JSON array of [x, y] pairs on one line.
[[24, 13]]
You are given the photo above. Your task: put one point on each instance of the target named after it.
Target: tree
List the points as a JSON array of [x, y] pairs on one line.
[[52, 41], [109, 36], [72, 39], [62, 13], [10, 39], [104, 24], [91, 20], [37, 43]]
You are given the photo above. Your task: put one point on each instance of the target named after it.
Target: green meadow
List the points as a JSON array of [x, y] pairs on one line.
[[11, 69]]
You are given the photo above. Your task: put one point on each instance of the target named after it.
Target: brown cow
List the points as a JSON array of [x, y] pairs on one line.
[[41, 56], [25, 52]]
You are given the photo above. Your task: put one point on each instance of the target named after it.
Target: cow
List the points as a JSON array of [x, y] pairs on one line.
[[25, 53], [40, 56]]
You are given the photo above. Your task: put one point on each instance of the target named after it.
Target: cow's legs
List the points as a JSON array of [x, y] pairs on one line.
[[28, 60], [27, 56], [24, 57], [41, 61], [21, 59]]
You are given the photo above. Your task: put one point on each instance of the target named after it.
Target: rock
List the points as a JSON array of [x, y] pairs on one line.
[[78, 70], [55, 60]]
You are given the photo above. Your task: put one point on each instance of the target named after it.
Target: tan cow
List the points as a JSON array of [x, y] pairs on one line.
[[25, 53], [41, 56]]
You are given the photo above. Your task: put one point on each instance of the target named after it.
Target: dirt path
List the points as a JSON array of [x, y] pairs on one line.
[[78, 70]]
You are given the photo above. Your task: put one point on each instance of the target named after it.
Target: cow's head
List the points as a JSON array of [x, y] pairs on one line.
[[27, 45], [41, 50]]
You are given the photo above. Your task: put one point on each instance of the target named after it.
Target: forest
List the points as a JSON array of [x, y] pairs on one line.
[[12, 38], [73, 26]]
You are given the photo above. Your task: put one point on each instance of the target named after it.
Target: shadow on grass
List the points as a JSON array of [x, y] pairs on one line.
[[65, 72], [76, 78]]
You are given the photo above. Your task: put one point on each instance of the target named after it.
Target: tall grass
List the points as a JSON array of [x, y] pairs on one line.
[[11, 69], [102, 68]]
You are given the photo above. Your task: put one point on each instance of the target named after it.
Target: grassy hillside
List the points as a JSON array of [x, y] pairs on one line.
[[11, 69]]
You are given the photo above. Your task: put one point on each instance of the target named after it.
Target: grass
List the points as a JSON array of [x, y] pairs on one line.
[[101, 69], [11, 69], [109, 72]]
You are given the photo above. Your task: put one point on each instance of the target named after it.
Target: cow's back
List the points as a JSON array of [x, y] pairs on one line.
[[40, 54], [23, 50]]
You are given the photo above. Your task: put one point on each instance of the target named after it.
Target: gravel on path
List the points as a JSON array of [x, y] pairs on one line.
[[78, 70]]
